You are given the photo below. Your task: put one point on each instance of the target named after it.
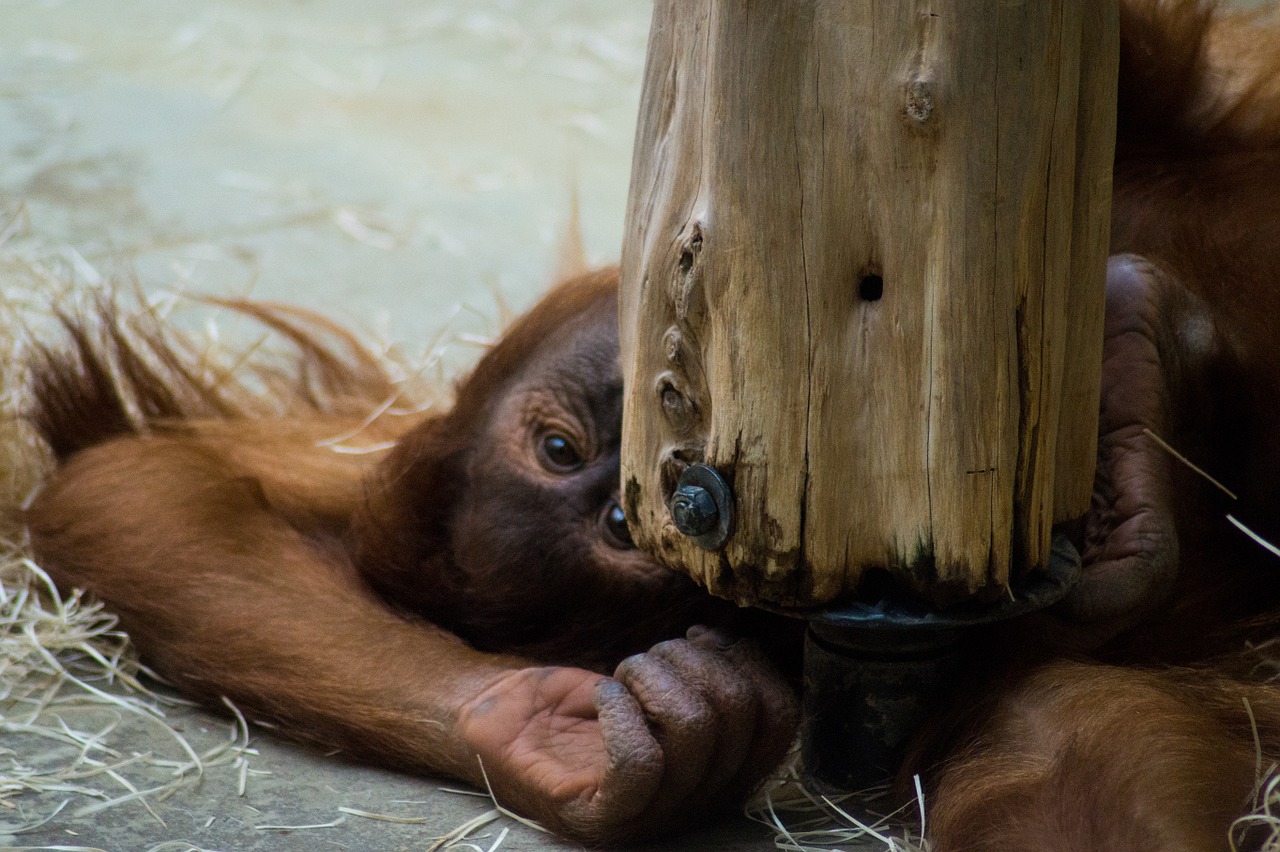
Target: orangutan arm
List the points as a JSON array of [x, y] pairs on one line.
[[226, 598]]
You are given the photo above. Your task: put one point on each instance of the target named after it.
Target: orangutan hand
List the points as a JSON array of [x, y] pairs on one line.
[[691, 724]]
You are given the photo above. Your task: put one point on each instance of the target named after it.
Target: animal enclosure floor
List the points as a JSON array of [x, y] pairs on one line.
[[406, 165], [285, 785]]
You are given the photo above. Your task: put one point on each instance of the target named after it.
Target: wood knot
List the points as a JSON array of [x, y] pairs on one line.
[[673, 346], [680, 411], [919, 101], [691, 248], [686, 284]]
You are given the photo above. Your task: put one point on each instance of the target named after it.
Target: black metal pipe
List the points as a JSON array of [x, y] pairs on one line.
[[873, 672]]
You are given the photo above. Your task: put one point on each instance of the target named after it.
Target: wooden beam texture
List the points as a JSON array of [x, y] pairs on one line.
[[862, 278]]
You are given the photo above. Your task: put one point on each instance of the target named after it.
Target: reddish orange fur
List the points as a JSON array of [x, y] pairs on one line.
[[1080, 756], [247, 561], [171, 476], [328, 591]]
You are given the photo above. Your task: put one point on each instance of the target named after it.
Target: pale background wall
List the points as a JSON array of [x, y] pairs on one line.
[[385, 161]]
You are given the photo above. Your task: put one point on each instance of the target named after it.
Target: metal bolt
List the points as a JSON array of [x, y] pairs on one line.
[[702, 506], [694, 510]]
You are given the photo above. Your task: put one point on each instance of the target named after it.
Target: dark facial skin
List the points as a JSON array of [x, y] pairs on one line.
[[541, 518], [500, 521]]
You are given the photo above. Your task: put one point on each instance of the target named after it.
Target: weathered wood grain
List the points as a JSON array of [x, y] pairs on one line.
[[790, 157]]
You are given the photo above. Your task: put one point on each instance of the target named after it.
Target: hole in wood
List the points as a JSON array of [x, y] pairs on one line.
[[871, 288], [686, 261], [877, 584], [690, 250]]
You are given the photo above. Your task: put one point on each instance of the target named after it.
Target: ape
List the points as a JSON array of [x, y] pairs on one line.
[[455, 595], [419, 606]]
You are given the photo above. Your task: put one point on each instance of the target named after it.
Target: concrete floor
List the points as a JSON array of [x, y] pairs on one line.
[[405, 165], [291, 786]]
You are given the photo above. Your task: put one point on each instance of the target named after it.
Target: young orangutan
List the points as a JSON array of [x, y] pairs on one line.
[[424, 605]]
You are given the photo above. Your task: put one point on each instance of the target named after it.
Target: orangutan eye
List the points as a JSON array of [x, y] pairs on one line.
[[558, 454], [613, 522]]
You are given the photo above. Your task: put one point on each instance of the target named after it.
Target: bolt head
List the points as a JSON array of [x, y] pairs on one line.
[[694, 510]]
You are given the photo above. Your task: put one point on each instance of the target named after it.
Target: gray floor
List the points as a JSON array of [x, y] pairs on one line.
[[291, 786], [391, 161]]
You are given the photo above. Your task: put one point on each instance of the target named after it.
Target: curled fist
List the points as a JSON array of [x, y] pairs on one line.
[[690, 724]]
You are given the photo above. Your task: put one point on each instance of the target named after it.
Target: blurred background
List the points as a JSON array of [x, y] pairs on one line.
[[405, 166]]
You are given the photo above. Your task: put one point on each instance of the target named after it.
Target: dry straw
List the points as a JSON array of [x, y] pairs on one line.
[[83, 725], [804, 821], [75, 705], [71, 700]]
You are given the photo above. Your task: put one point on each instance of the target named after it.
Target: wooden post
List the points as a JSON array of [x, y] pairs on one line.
[[862, 279]]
